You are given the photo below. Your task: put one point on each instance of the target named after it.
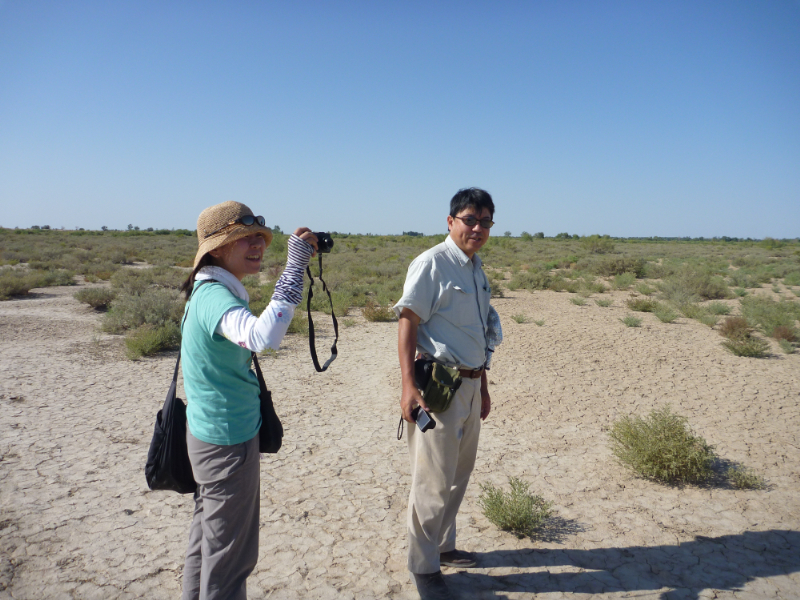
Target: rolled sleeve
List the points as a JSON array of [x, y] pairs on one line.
[[419, 291]]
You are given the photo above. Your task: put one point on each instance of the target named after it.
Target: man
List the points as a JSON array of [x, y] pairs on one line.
[[444, 315]]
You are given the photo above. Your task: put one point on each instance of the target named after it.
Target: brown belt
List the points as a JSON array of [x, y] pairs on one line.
[[470, 373]]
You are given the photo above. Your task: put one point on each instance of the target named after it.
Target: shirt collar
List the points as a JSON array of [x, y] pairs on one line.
[[460, 255], [224, 277]]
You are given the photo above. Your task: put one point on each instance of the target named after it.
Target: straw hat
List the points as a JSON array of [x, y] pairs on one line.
[[217, 225]]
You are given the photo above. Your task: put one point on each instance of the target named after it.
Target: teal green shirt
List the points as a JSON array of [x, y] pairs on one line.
[[223, 404]]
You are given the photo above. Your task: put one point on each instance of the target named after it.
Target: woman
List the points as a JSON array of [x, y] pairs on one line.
[[223, 406]]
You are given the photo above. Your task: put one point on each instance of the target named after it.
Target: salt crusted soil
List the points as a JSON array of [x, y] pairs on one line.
[[77, 519]]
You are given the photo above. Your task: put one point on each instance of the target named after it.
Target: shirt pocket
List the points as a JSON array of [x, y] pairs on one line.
[[462, 306]]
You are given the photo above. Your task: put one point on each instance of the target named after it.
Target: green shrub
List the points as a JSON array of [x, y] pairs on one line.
[[98, 298], [662, 447], [792, 278], [632, 321], [605, 303], [618, 266], [770, 315], [744, 478], [148, 339], [520, 318], [718, 308], [578, 301], [644, 289], [596, 244], [155, 307], [691, 282], [375, 312], [539, 322], [299, 324], [623, 281], [15, 282], [739, 292], [749, 347], [530, 280], [665, 313], [642, 304], [786, 346], [517, 511]]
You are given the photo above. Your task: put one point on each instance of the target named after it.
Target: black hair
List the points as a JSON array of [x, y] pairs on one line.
[[188, 285], [471, 197]]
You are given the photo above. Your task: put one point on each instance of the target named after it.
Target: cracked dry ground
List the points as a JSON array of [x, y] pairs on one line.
[[77, 520]]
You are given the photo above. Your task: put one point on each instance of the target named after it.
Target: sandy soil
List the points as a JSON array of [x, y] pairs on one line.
[[77, 519]]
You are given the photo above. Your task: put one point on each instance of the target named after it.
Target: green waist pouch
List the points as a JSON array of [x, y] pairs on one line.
[[441, 386]]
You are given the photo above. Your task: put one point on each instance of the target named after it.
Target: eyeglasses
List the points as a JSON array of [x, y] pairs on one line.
[[246, 220], [470, 221]]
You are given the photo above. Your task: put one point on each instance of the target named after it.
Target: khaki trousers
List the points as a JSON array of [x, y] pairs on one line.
[[442, 460]]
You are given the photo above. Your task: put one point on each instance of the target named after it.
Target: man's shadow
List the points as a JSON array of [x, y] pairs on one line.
[[721, 563]]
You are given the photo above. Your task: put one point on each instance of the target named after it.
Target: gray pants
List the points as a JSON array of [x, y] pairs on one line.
[[223, 538], [442, 460]]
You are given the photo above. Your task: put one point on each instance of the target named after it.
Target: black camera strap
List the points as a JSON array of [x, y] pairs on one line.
[[334, 351]]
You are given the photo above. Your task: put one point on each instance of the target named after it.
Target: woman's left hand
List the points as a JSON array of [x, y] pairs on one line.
[[305, 234]]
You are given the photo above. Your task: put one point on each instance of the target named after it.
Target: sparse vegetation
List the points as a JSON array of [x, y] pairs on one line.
[[578, 301], [539, 322], [148, 339], [642, 304], [632, 321], [744, 478], [662, 447], [517, 511], [623, 281], [98, 298], [665, 313], [519, 318], [375, 312], [604, 302]]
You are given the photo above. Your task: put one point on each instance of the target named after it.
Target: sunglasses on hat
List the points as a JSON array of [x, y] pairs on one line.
[[246, 220]]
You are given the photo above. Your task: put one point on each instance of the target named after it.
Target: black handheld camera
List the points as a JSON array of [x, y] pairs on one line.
[[423, 420], [324, 242]]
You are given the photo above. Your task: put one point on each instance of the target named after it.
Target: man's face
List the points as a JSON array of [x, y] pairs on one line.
[[469, 239]]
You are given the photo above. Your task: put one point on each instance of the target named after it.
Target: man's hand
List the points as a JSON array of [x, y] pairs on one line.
[[486, 400], [410, 398], [407, 350]]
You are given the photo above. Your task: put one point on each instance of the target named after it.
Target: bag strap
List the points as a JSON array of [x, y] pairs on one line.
[[334, 351], [178, 362], [261, 383]]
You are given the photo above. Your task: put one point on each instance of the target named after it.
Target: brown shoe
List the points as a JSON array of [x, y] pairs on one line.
[[431, 586], [457, 559]]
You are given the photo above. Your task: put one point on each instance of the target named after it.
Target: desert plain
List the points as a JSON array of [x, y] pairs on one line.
[[78, 521]]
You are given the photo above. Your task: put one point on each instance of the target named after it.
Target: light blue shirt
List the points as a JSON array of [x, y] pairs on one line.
[[450, 294]]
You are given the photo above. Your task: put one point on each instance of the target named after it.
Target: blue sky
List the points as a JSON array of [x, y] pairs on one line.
[[621, 118]]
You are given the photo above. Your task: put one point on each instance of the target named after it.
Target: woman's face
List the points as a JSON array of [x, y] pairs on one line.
[[241, 257]]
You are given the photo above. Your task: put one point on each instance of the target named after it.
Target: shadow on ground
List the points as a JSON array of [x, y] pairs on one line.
[[721, 563]]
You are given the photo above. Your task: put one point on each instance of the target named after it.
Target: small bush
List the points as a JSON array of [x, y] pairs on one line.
[[642, 304], [375, 312], [517, 511], [530, 280], [662, 447], [718, 308], [597, 245], [786, 346], [618, 266], [578, 301], [770, 315], [98, 298], [744, 478], [520, 318], [749, 347], [623, 281], [785, 333], [740, 292], [644, 289], [155, 307], [147, 339], [735, 328], [605, 303], [539, 322], [632, 321], [299, 324], [665, 314]]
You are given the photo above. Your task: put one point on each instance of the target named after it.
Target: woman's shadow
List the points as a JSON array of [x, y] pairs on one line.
[[721, 563]]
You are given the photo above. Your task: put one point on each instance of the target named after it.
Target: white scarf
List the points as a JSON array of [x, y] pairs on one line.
[[226, 278]]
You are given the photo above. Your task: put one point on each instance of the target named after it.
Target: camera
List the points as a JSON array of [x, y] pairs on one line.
[[423, 420], [324, 242]]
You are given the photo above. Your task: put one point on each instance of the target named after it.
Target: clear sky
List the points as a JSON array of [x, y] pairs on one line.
[[671, 118]]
